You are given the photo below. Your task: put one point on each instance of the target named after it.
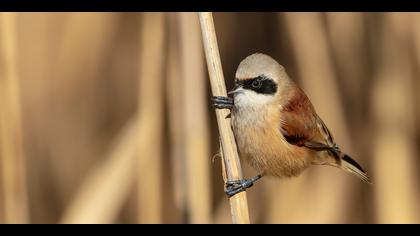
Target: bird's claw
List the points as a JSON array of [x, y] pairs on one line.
[[236, 186], [220, 102]]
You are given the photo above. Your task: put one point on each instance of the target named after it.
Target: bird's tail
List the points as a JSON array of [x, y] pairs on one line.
[[350, 165]]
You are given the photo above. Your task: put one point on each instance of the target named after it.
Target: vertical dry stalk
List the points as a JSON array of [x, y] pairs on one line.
[[174, 90], [100, 197], [151, 117], [72, 102], [2, 211], [393, 146], [238, 203], [416, 40], [195, 119], [346, 35], [11, 147]]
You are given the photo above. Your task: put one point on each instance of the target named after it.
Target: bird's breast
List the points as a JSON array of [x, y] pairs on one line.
[[261, 143]]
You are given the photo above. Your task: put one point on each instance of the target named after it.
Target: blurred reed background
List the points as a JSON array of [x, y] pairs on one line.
[[106, 117]]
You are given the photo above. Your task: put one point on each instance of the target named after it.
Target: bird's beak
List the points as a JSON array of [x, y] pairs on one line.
[[236, 89]]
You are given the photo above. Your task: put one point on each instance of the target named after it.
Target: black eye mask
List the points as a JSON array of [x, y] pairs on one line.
[[260, 84]]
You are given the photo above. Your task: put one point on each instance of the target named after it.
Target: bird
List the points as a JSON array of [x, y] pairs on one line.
[[276, 127]]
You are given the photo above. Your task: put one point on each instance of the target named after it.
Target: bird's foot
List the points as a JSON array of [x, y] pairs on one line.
[[220, 102], [236, 186]]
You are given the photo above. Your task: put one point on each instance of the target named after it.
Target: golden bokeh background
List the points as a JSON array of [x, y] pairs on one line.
[[106, 117]]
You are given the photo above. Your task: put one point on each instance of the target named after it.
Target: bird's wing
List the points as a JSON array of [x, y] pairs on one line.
[[301, 126]]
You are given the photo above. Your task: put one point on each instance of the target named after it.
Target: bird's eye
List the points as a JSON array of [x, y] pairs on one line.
[[256, 84]]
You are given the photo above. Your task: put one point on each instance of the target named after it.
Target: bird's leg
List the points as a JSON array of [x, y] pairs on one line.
[[220, 102], [235, 186]]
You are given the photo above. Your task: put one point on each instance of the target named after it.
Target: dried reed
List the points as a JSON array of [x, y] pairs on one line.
[[174, 90], [394, 150], [12, 161], [150, 111], [195, 120], [230, 158]]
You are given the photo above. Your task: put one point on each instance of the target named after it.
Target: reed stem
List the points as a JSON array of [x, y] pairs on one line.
[[238, 202], [12, 162], [150, 110]]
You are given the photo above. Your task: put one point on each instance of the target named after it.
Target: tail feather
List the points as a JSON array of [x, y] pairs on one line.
[[350, 165], [335, 157]]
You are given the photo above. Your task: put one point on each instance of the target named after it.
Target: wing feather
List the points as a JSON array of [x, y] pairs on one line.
[[301, 126]]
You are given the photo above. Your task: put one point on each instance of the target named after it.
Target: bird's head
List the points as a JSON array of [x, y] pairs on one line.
[[258, 80]]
